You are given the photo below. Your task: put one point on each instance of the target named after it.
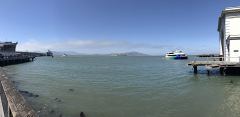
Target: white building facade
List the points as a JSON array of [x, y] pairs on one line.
[[229, 34]]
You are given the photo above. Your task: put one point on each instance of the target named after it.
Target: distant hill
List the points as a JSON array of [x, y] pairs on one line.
[[129, 54], [60, 53]]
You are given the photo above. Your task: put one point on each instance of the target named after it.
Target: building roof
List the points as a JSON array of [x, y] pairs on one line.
[[7, 43], [227, 10]]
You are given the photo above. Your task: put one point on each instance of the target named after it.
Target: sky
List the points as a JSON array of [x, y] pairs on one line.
[[106, 26]]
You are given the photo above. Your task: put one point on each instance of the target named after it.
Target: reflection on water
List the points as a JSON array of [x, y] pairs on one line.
[[231, 103], [125, 86]]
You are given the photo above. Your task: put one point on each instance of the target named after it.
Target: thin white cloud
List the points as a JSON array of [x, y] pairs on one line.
[[33, 45], [77, 45], [105, 46]]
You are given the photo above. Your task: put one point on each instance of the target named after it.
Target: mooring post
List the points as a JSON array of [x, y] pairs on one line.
[[224, 71], [208, 72], [195, 69], [221, 70]]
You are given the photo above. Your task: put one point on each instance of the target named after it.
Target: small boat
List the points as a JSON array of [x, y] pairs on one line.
[[176, 55], [64, 55]]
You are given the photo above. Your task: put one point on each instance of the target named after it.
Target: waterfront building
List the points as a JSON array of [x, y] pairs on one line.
[[229, 38], [8, 47], [229, 34]]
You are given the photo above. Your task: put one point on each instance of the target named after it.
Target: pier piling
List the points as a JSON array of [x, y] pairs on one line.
[[225, 67], [195, 69], [208, 72]]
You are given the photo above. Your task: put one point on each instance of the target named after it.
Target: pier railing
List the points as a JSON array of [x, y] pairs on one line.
[[222, 59], [222, 63]]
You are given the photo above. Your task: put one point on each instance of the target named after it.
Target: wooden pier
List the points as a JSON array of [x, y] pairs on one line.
[[9, 55], [15, 58], [225, 67], [12, 103]]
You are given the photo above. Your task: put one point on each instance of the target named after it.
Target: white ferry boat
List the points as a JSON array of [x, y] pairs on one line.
[[176, 55]]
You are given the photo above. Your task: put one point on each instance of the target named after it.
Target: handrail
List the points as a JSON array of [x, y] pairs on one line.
[[227, 59]]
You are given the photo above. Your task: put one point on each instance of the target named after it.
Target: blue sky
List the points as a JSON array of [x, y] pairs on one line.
[[105, 26]]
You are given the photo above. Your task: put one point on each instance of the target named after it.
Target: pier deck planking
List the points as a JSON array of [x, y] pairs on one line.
[[224, 66]]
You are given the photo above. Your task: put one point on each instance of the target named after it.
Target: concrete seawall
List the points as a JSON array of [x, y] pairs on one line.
[[12, 103]]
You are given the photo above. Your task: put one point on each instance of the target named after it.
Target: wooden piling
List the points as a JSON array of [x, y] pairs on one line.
[[195, 69], [221, 69], [225, 67], [208, 72]]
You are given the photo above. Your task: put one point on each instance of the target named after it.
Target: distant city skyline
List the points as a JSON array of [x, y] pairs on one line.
[[109, 26]]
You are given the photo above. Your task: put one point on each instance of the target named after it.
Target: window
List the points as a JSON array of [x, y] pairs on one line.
[[235, 50]]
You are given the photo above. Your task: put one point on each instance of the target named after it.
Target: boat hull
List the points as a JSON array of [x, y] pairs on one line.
[[176, 57], [182, 57]]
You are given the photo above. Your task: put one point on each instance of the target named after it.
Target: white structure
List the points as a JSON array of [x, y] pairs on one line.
[[229, 34]]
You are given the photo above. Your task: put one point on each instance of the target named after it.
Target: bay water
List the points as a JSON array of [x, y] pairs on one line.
[[124, 86]]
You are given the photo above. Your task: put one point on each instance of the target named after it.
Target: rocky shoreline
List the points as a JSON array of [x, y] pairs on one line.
[[13, 99]]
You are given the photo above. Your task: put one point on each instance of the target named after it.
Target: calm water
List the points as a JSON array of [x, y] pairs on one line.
[[125, 87]]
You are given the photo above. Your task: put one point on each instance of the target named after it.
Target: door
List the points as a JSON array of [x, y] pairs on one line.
[[234, 50]]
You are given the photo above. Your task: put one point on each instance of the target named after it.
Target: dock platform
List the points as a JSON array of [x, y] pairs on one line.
[[225, 67], [15, 58]]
